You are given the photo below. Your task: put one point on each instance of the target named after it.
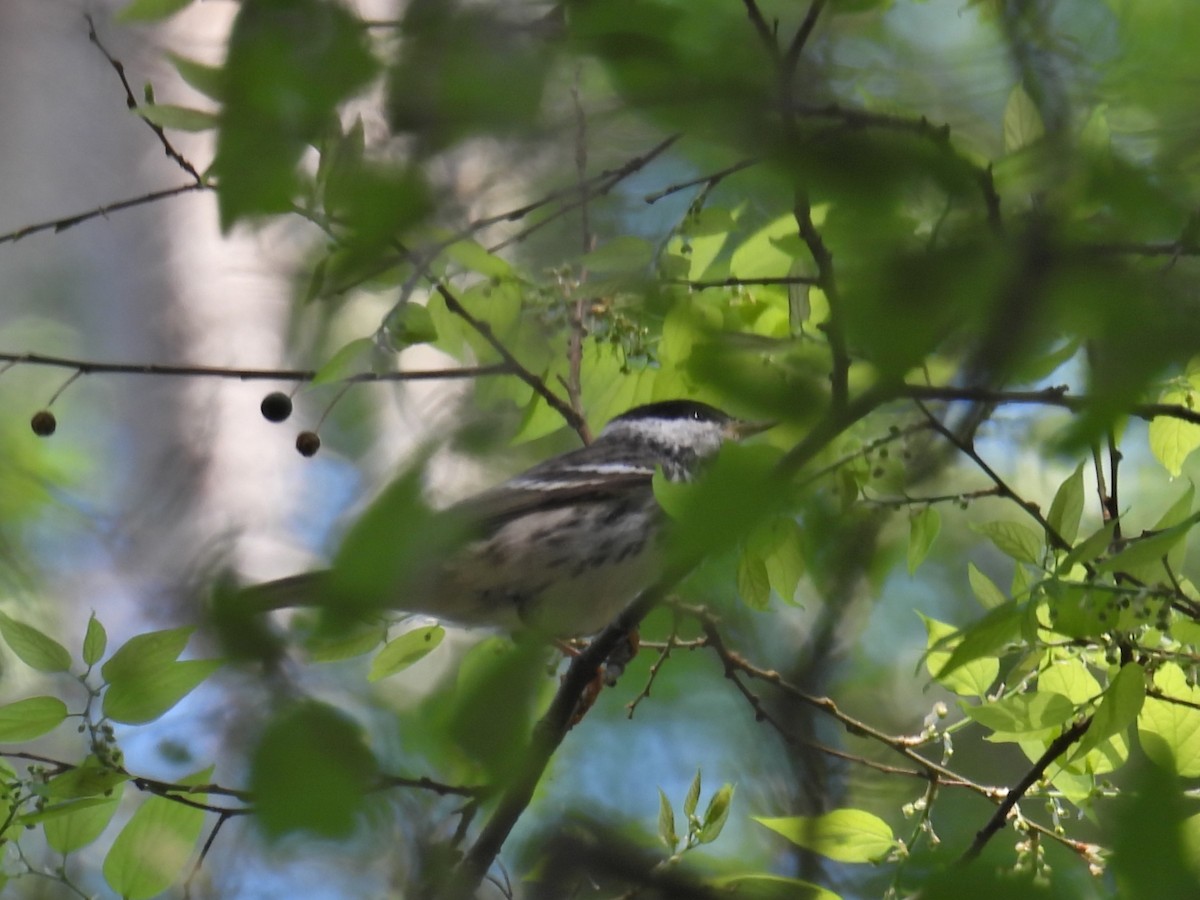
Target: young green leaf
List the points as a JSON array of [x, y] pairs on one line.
[[845, 835], [1118, 709], [1014, 539], [401, 652], [1021, 713], [152, 850], [666, 822], [1148, 549], [1091, 547], [25, 720], [84, 821], [754, 585], [146, 653], [33, 648], [146, 696], [177, 118], [923, 530], [716, 815], [149, 10], [310, 772], [1172, 440], [984, 589], [1022, 121], [692, 798], [95, 641], [1170, 731], [90, 778], [1067, 506]]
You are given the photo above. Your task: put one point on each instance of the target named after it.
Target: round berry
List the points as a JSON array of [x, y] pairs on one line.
[[276, 406], [43, 423], [308, 443]]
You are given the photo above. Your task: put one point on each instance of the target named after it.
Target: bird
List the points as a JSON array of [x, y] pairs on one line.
[[563, 547]]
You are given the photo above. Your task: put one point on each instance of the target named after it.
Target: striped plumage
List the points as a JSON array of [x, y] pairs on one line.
[[564, 546]]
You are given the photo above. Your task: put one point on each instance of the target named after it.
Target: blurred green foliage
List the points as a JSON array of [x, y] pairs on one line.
[[884, 225]]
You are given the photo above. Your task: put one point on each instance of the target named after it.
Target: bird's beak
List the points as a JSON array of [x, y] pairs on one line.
[[738, 429]]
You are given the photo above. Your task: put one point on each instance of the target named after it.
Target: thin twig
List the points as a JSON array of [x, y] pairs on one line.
[[1057, 748], [514, 367], [834, 327], [711, 179], [1051, 396], [132, 103], [57, 225], [745, 282], [90, 367]]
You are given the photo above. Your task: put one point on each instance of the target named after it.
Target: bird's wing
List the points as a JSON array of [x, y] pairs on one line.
[[491, 510]]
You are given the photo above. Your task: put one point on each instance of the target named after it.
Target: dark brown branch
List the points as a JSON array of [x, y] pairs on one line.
[[745, 282], [514, 367], [1052, 396], [834, 328], [57, 225], [132, 103], [967, 449], [710, 180], [91, 367], [766, 34], [792, 57], [1057, 748]]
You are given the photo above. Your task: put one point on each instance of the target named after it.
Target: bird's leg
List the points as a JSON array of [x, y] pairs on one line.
[[607, 674]]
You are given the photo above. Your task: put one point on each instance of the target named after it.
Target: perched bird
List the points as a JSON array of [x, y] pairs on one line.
[[563, 547]]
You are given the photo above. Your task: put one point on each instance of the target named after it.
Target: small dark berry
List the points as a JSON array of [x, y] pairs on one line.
[[308, 443], [43, 423], [276, 406]]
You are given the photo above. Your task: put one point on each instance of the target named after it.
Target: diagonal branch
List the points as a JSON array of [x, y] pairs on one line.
[[1057, 748], [513, 365]]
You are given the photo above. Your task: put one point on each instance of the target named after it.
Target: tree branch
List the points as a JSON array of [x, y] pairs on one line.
[[1057, 748]]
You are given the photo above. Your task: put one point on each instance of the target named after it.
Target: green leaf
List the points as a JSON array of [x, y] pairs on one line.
[[923, 530], [1148, 549], [1067, 508], [753, 583], [310, 772], [146, 696], [95, 641], [25, 720], [1022, 121], [773, 887], [411, 323], [1170, 732], [716, 815], [1091, 547], [152, 850], [964, 661], [666, 822], [845, 835], [350, 359], [1021, 713], [1118, 709], [984, 589], [692, 798], [201, 77], [84, 821], [401, 652], [474, 258], [335, 645], [143, 653], [770, 251], [622, 254], [89, 779], [1014, 539], [149, 10], [397, 536], [780, 544], [1173, 440], [177, 118], [289, 64], [32, 647]]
